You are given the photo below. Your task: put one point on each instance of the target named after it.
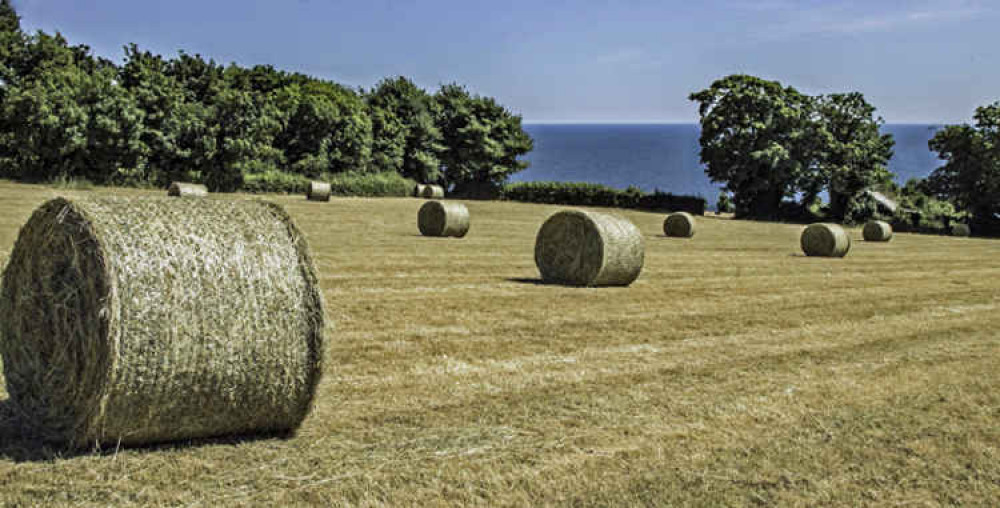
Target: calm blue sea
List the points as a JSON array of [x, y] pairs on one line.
[[665, 156]]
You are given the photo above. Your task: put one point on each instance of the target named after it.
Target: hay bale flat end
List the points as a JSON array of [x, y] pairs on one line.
[[149, 320], [580, 248], [440, 218], [825, 240]]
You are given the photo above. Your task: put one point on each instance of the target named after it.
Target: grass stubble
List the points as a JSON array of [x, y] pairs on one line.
[[734, 371]]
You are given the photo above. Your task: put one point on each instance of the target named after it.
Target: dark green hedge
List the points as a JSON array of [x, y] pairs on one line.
[[592, 194], [341, 184]]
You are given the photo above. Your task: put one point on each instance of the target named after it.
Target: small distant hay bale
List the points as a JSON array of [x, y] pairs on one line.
[[679, 224], [582, 248], [143, 321], [825, 240], [960, 230], [440, 218], [433, 192], [877, 231], [318, 191], [418, 190], [187, 190]]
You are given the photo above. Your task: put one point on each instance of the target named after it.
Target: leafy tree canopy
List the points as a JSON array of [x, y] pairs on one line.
[[482, 140], [970, 177]]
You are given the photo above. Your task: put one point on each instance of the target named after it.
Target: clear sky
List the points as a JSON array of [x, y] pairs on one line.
[[917, 61]]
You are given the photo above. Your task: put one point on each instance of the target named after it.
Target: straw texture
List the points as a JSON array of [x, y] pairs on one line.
[[877, 231], [187, 190], [825, 240], [680, 225], [960, 230], [140, 321], [318, 191], [581, 248], [433, 192], [440, 218]]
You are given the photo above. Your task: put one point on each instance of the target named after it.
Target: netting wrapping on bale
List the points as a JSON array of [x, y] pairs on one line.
[[149, 320], [877, 231], [679, 224], [825, 240], [418, 190], [187, 190], [443, 218], [318, 191], [583, 248]]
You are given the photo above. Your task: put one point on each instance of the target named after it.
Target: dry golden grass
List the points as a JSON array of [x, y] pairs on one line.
[[734, 371]]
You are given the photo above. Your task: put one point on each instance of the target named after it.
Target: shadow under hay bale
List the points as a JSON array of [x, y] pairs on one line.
[[439, 218], [318, 191], [433, 192], [581, 248], [187, 190], [151, 320], [679, 225], [877, 231], [825, 240]]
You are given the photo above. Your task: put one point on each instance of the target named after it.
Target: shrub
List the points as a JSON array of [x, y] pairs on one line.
[[370, 184], [276, 181], [592, 194]]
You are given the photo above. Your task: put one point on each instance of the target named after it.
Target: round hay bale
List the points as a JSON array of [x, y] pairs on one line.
[[877, 231], [960, 230], [318, 191], [433, 192], [589, 249], [418, 190], [826, 240], [187, 190], [679, 224], [439, 218], [142, 321]]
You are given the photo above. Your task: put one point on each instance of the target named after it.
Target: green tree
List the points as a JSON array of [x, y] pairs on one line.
[[244, 132], [64, 119], [855, 155], [12, 42], [405, 137], [759, 139], [327, 129], [483, 140], [970, 177]]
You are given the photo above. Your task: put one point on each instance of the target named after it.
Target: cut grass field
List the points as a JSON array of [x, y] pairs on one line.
[[734, 371]]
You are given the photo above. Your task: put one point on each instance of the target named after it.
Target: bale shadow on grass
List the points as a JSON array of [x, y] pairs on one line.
[[534, 281], [19, 444]]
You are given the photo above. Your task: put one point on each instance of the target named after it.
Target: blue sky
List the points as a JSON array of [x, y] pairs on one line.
[[917, 61]]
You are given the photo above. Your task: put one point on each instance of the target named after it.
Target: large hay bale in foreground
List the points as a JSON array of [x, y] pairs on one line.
[[877, 231], [960, 230], [418, 190], [825, 240], [140, 321], [187, 190], [679, 224], [589, 249], [440, 218], [433, 192], [318, 191]]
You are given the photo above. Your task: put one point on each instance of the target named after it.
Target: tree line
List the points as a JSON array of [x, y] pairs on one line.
[[150, 120], [775, 150]]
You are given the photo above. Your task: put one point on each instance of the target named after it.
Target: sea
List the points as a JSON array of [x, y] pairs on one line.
[[666, 156]]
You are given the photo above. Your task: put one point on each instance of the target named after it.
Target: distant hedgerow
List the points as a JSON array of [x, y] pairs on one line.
[[592, 194]]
